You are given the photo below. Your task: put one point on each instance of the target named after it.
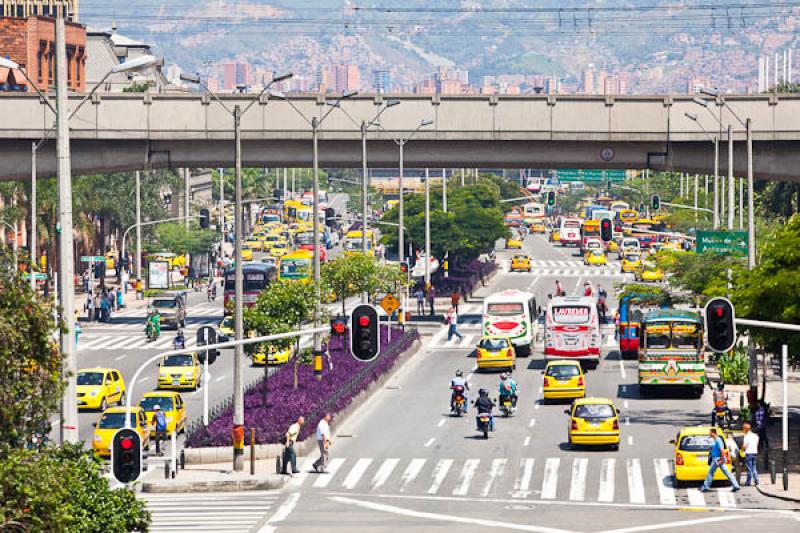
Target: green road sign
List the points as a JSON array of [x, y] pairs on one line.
[[92, 258], [39, 275], [590, 175], [723, 242]]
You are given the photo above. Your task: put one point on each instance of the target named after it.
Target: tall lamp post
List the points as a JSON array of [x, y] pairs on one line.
[[714, 139], [238, 358]]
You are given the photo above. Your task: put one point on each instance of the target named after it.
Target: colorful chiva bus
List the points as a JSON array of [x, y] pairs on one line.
[[511, 314], [296, 266], [572, 329], [671, 350]]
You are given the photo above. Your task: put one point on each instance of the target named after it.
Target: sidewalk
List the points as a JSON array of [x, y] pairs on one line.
[[216, 477]]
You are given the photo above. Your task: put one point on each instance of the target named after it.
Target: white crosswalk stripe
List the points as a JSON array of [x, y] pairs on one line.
[[231, 512], [582, 479]]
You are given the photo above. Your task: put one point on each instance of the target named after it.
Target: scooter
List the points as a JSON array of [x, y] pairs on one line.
[[723, 418], [151, 331], [506, 403], [484, 424], [459, 402]]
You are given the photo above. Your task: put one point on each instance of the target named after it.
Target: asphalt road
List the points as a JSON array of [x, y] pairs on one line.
[[402, 462]]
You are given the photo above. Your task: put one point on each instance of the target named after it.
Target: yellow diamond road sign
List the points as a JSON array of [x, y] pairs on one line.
[[390, 304]]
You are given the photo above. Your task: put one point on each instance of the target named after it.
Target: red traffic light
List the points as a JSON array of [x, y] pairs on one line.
[[126, 443], [720, 312], [363, 321]]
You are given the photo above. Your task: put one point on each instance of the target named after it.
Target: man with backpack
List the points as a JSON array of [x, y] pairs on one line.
[[160, 423]]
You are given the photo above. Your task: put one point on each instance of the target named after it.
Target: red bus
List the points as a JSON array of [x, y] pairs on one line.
[[256, 276]]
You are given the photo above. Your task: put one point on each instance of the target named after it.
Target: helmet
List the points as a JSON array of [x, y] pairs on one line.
[[180, 333], [482, 392], [156, 407], [504, 376], [721, 386], [459, 373]]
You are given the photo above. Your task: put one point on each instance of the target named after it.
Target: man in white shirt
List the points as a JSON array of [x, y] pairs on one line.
[[289, 455], [750, 447], [324, 442]]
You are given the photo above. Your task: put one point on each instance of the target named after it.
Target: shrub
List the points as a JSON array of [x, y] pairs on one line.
[[733, 367], [311, 398]]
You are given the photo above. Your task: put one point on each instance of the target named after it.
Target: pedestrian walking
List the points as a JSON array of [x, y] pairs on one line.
[[120, 299], [89, 308], [126, 278], [103, 308], [98, 310], [760, 418], [616, 324], [289, 455], [159, 422], [559, 289], [716, 460], [139, 289], [451, 319], [419, 294], [432, 298], [750, 448], [455, 298], [324, 443]]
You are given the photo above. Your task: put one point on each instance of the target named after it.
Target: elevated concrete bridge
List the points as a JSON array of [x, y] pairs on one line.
[[115, 132]]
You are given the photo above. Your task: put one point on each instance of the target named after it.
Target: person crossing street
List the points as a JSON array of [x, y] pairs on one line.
[[324, 443], [750, 448], [289, 454], [716, 460]]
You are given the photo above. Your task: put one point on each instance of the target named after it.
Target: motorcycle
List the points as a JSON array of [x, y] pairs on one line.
[[151, 331], [506, 403], [723, 418], [484, 424], [178, 343], [212, 292], [459, 402]]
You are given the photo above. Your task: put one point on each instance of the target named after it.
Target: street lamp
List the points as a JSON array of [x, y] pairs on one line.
[[315, 124], [238, 384], [714, 139]]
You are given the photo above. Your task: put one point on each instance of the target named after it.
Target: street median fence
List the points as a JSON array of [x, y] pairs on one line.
[[273, 404]]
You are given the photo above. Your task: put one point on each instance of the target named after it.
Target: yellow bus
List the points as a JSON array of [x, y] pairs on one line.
[[628, 216], [353, 242], [296, 266]]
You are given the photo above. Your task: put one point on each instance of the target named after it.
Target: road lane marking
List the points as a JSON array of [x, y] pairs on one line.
[[606, 492], [498, 465], [536, 405], [630, 440], [726, 498], [465, 478], [577, 490], [439, 473], [430, 441], [550, 480], [627, 421], [527, 441], [411, 473], [622, 368], [664, 479], [625, 404], [523, 482], [219, 379], [675, 525], [532, 423], [281, 514], [696, 498], [384, 472], [120, 357], [441, 423], [355, 473], [323, 480], [635, 482]]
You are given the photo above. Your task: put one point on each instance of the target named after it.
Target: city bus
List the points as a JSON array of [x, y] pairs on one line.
[[296, 266], [569, 232], [511, 314], [534, 185], [589, 230], [256, 277], [619, 205], [353, 243], [572, 329], [671, 350], [645, 239], [628, 216]]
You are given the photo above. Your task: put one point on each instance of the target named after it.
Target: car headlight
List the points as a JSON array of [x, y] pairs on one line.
[[94, 393]]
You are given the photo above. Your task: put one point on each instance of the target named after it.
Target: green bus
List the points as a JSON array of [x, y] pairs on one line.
[[671, 351]]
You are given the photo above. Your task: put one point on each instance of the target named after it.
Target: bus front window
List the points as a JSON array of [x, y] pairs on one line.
[[686, 336], [657, 336]]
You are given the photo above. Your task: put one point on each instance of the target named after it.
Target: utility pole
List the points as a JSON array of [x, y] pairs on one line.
[[364, 186], [401, 243], [696, 178], [69, 418], [462, 177], [221, 207], [751, 228], [444, 190], [315, 227], [238, 353], [33, 216], [741, 203], [186, 197], [138, 226], [731, 183], [427, 229]]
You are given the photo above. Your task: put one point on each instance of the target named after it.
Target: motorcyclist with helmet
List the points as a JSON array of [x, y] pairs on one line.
[[508, 387], [153, 323], [179, 343], [456, 382], [484, 404], [720, 406]]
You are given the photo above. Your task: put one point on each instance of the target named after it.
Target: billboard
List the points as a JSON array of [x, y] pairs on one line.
[[158, 275]]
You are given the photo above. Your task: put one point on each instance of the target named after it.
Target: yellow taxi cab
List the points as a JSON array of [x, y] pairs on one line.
[[613, 246], [254, 244], [181, 371], [495, 351], [113, 419], [279, 249], [631, 262], [595, 257], [593, 421], [563, 379], [225, 329], [538, 227], [649, 272], [555, 235], [514, 242], [272, 355], [99, 387], [675, 246], [171, 404], [247, 253], [521, 262], [692, 445]]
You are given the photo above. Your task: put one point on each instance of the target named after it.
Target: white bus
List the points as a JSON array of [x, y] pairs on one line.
[[511, 314], [534, 185], [569, 232], [572, 329], [533, 210]]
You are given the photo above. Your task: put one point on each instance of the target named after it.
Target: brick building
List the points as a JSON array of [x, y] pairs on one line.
[[42, 8], [31, 43]]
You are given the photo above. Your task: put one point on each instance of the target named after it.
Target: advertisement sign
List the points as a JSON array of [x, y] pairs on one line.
[[158, 275], [571, 314], [201, 264]]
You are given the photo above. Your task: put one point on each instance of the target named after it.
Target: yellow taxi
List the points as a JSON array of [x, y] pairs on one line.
[[521, 262], [613, 246], [514, 242], [225, 329], [181, 371], [649, 272], [247, 253], [495, 351], [538, 227], [692, 445], [595, 257], [254, 244], [279, 249], [171, 404], [272, 355], [593, 421], [555, 235], [563, 379], [675, 246], [631, 262], [99, 387], [113, 419]]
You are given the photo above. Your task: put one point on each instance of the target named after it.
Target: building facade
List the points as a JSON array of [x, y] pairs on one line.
[[39, 8]]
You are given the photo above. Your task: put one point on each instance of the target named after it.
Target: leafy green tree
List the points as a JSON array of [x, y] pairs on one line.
[[176, 238], [703, 274], [347, 276]]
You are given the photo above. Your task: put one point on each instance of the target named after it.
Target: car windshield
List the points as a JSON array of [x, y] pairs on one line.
[[597, 252], [594, 410], [178, 360], [90, 378], [632, 257], [115, 420], [164, 304], [563, 371], [696, 443], [521, 257], [149, 402], [227, 323], [494, 344]]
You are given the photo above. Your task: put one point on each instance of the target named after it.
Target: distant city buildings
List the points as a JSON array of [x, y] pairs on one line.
[[39, 8], [381, 81], [235, 73]]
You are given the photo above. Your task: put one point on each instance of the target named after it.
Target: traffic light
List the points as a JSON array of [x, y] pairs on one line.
[[405, 270], [126, 455], [204, 218], [641, 208], [608, 185], [338, 326], [720, 324], [365, 338], [655, 202], [551, 198], [606, 230]]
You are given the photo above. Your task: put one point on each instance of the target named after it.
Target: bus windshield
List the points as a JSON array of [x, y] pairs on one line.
[[253, 281], [294, 268], [570, 314], [678, 335]]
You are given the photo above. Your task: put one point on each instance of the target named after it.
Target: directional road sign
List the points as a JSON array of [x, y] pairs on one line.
[[590, 175], [92, 258], [723, 242]]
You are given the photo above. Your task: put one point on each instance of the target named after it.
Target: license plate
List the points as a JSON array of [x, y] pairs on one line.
[[176, 382], [594, 424], [702, 457]]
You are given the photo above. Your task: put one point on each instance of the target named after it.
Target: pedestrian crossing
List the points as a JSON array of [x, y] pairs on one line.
[[633, 480], [93, 342], [141, 312], [219, 512], [567, 268]]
